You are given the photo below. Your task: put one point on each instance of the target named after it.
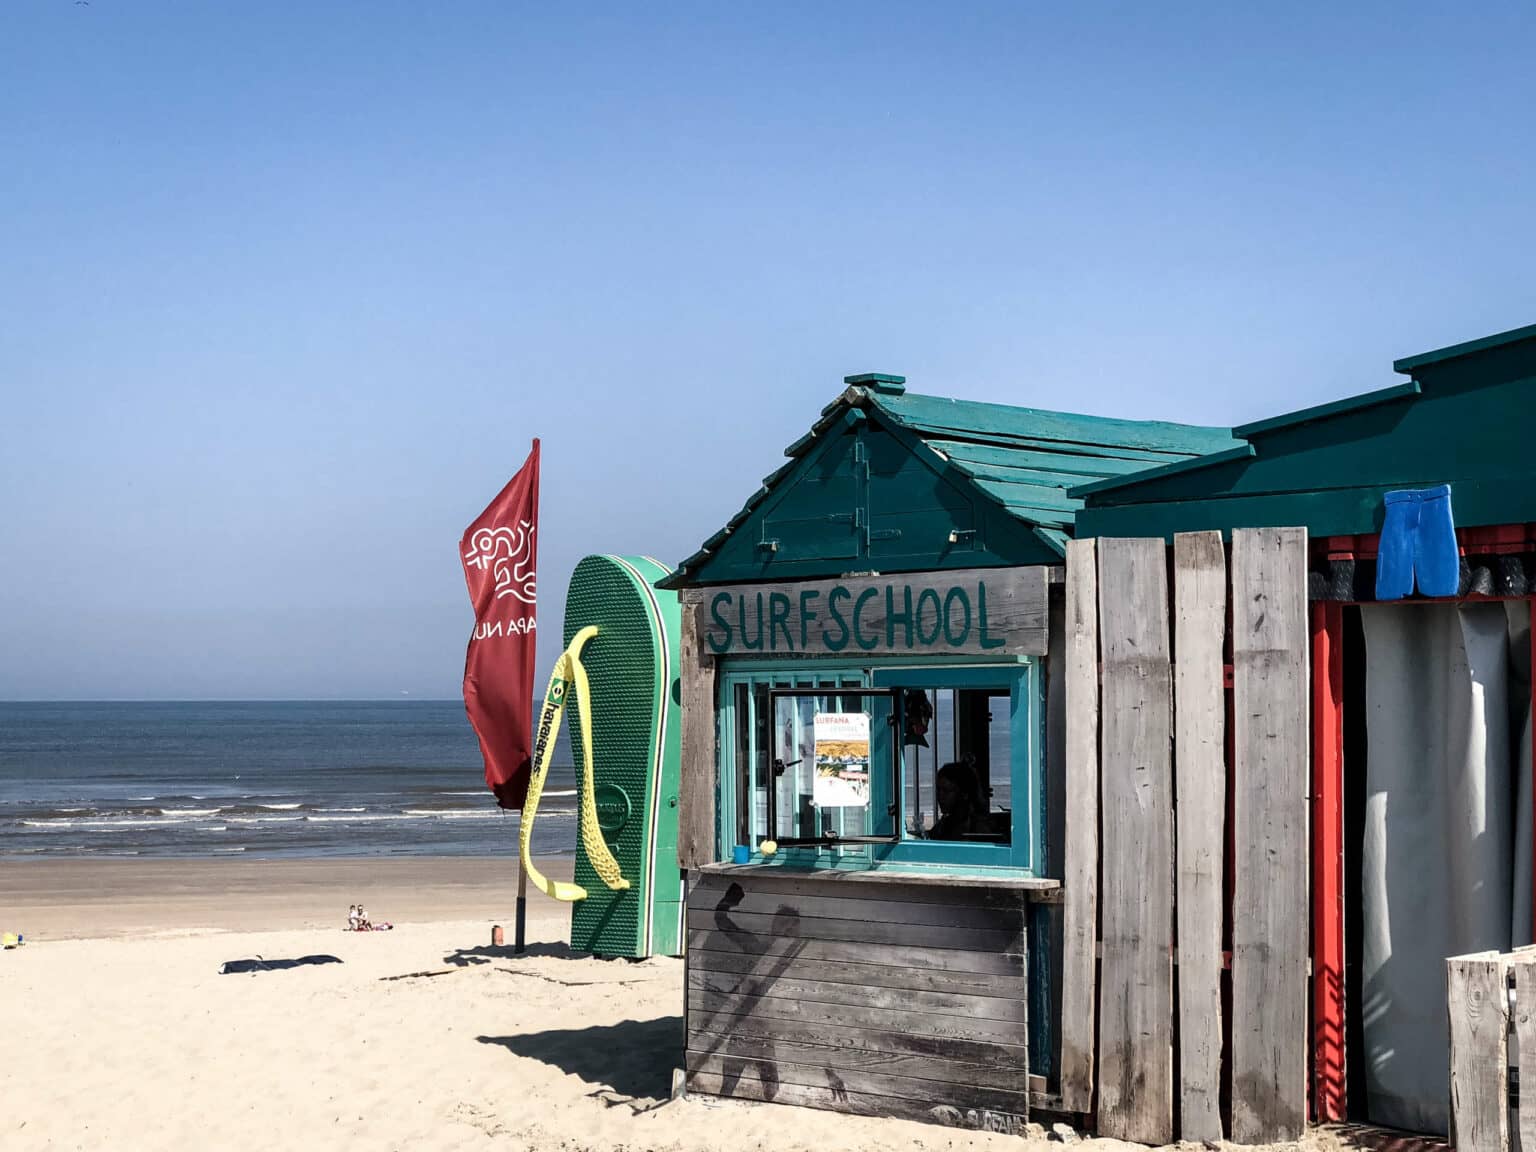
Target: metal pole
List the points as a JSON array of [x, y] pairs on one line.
[[522, 907]]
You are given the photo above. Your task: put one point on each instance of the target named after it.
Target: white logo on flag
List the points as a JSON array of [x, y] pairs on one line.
[[506, 552]]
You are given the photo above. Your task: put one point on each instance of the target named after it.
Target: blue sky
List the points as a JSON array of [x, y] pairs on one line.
[[286, 289]]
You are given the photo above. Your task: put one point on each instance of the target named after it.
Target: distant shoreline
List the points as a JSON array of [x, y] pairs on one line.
[[107, 897]]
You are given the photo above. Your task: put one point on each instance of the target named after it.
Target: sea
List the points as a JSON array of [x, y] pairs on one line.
[[259, 780]]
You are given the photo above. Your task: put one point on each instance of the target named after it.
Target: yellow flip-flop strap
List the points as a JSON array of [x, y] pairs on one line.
[[544, 750], [598, 855]]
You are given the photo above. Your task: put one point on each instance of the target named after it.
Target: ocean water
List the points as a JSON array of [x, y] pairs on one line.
[[283, 779]]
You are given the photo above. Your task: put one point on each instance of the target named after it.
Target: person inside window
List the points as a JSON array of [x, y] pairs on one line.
[[961, 808]]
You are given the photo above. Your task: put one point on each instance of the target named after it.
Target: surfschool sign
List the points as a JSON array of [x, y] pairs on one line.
[[969, 612]]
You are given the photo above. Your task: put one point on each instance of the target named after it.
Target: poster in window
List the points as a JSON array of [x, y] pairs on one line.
[[842, 760]]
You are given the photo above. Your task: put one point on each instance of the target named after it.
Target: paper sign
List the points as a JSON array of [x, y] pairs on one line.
[[842, 760]]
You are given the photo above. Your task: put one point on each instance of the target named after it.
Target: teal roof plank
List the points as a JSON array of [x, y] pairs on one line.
[[1177, 468], [931, 413], [1057, 462]]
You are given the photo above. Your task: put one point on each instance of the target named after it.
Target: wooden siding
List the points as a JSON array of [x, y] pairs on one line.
[[1136, 981], [1080, 867], [885, 999], [1270, 702], [698, 756], [1200, 626]]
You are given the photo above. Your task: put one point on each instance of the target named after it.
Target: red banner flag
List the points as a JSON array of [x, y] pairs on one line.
[[500, 554]]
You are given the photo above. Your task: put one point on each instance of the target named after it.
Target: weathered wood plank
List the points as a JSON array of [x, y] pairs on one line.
[[915, 979], [797, 987], [788, 923], [854, 1016], [696, 782], [1007, 1076], [968, 611], [1200, 624], [1477, 1004], [1080, 859], [963, 890], [1524, 966], [1136, 980], [866, 1080], [1010, 963], [702, 1025], [1270, 701], [857, 1103], [737, 900]]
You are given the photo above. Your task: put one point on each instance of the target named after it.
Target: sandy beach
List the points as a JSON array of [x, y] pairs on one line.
[[121, 1033]]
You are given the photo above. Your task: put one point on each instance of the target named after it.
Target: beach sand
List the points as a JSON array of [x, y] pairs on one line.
[[118, 1031]]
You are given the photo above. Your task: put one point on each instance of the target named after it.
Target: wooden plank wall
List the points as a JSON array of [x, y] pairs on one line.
[[1200, 627], [1161, 866], [1270, 698], [1136, 979], [1478, 1006], [1524, 971], [696, 783], [1080, 847], [877, 999]]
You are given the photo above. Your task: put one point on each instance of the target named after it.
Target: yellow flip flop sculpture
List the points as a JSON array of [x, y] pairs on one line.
[[567, 676]]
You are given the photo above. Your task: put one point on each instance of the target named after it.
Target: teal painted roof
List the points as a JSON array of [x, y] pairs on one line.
[[1463, 420], [1023, 461]]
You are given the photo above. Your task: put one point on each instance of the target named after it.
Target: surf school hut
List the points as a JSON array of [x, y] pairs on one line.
[[874, 744], [1418, 503]]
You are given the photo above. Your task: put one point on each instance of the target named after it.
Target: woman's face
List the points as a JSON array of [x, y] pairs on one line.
[[948, 793]]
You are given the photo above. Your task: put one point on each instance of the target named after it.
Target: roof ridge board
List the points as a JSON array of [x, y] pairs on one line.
[[1467, 348], [1133, 431], [1332, 408]]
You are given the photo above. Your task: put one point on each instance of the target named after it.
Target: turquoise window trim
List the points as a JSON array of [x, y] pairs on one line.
[[1019, 676]]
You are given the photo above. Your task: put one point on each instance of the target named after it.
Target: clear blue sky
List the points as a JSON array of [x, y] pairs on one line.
[[287, 288]]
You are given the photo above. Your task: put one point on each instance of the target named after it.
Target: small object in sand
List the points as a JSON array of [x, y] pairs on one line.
[[258, 964], [12, 940]]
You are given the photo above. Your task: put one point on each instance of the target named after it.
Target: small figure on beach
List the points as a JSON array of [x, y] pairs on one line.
[[362, 920], [352, 918]]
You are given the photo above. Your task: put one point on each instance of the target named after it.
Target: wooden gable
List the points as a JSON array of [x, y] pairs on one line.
[[870, 497]]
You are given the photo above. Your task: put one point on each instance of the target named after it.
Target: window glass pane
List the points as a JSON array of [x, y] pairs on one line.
[[963, 779], [857, 794]]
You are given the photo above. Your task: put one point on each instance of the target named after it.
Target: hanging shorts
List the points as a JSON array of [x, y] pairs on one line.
[[1418, 542]]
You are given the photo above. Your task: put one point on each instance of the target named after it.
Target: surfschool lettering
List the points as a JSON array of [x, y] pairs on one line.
[[917, 615]]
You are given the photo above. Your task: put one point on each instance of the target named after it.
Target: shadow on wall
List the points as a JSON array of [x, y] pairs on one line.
[[633, 1058]]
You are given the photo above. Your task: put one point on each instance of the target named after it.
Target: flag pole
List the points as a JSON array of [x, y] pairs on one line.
[[522, 905]]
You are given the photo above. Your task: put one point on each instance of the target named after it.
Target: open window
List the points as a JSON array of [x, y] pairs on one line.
[[834, 765]]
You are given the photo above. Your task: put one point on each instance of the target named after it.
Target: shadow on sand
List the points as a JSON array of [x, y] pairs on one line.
[[632, 1059], [465, 957]]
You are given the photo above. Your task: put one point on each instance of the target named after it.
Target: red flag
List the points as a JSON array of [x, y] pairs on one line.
[[500, 554]]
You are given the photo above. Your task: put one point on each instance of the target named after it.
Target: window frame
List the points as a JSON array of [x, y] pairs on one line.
[[1021, 677]]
